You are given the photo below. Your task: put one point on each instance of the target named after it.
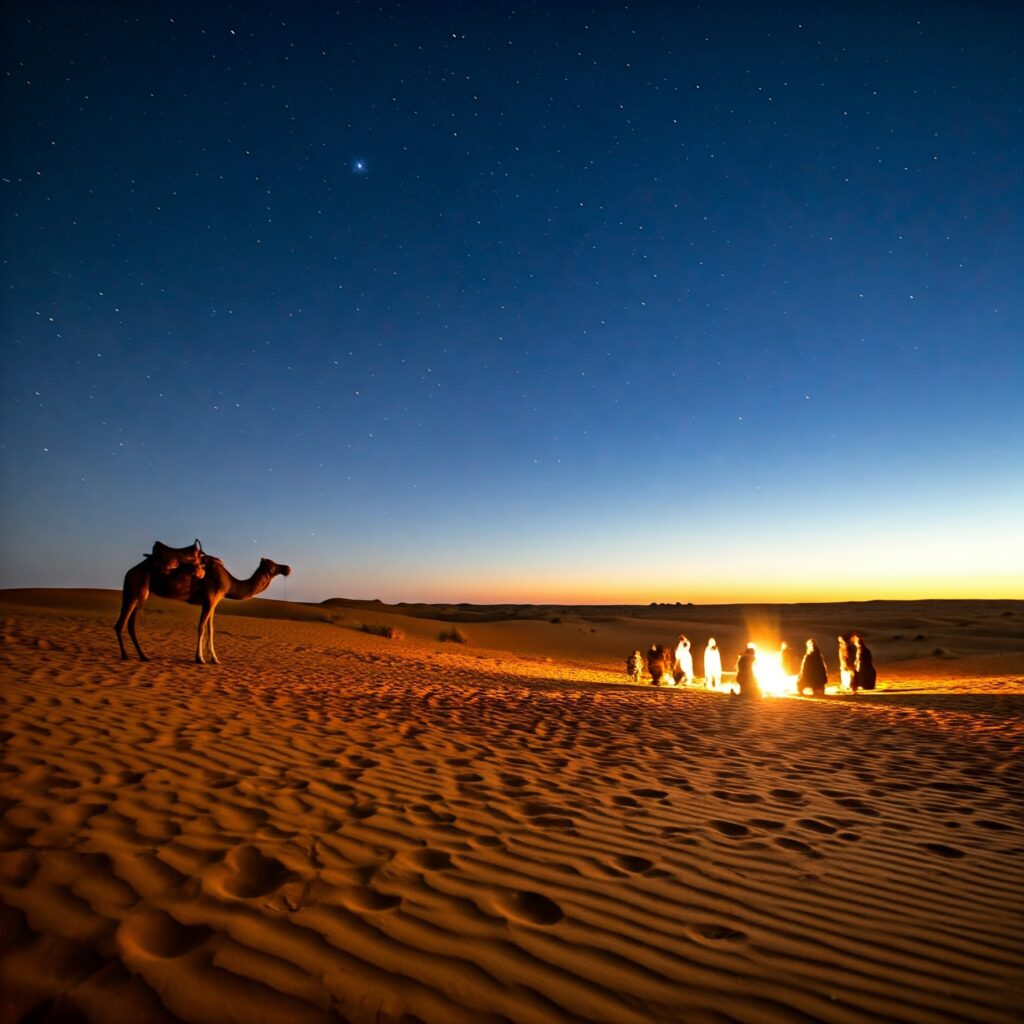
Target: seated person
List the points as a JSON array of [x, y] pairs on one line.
[[745, 678], [813, 673]]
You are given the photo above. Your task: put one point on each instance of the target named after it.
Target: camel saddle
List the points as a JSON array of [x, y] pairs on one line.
[[166, 559]]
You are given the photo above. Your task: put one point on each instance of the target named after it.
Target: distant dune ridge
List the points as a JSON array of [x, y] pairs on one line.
[[335, 825]]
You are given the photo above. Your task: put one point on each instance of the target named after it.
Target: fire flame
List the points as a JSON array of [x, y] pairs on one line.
[[772, 679]]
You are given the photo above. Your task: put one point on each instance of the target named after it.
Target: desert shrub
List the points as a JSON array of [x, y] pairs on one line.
[[940, 652], [379, 629], [453, 635], [556, 621]]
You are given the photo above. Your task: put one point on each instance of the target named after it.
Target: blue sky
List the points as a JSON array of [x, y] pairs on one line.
[[627, 302]]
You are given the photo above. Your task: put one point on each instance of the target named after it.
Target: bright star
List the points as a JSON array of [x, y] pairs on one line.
[[359, 167]]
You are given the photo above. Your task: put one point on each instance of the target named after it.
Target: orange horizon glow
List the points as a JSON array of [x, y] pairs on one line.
[[756, 593]]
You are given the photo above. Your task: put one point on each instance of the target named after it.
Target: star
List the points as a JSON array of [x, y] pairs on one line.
[[359, 166]]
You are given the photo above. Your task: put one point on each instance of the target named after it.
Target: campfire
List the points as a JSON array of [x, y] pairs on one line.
[[771, 676]]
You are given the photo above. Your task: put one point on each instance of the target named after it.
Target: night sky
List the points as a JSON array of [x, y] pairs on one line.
[[517, 302]]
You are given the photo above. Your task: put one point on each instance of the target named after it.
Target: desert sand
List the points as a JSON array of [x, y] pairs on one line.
[[332, 825]]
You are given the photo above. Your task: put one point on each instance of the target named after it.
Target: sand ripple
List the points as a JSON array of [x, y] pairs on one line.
[[331, 826]]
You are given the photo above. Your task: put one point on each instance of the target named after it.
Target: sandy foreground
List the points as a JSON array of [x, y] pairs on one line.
[[336, 826]]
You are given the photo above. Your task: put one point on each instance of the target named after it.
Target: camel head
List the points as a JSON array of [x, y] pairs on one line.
[[266, 565]]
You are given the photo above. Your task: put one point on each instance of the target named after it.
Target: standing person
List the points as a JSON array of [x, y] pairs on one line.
[[813, 673], [745, 678], [712, 664], [845, 663], [684, 660], [864, 675], [634, 667]]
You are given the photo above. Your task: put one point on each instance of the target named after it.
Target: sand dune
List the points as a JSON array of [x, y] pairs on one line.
[[335, 826]]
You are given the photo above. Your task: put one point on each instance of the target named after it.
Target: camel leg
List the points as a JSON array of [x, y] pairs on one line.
[[209, 641], [204, 618], [129, 609], [131, 632], [205, 632]]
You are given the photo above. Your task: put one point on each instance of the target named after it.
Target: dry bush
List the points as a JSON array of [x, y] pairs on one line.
[[453, 635], [379, 629]]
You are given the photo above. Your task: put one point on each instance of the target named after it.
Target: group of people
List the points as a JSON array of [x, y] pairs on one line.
[[856, 666]]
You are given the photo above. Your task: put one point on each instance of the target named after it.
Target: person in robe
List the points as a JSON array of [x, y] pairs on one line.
[[712, 664], [813, 672]]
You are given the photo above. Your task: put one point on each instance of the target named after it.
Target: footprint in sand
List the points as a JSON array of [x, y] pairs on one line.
[[154, 933], [632, 865], [729, 828], [796, 846], [358, 761], [537, 809], [511, 781], [858, 806], [425, 859], [246, 873], [547, 815], [788, 795], [424, 814], [486, 842], [714, 934], [956, 787], [361, 811], [993, 826], [769, 824], [530, 908], [941, 850], [625, 801], [365, 900]]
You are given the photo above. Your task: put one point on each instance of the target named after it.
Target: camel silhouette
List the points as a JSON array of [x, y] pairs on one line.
[[205, 584]]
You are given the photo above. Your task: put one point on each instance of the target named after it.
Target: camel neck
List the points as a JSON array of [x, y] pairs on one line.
[[242, 589]]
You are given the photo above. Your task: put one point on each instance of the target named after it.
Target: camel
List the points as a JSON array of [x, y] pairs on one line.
[[207, 587]]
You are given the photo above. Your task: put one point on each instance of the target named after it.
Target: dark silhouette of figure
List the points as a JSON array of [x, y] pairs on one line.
[[846, 655], [813, 673], [864, 675], [660, 662], [745, 678]]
